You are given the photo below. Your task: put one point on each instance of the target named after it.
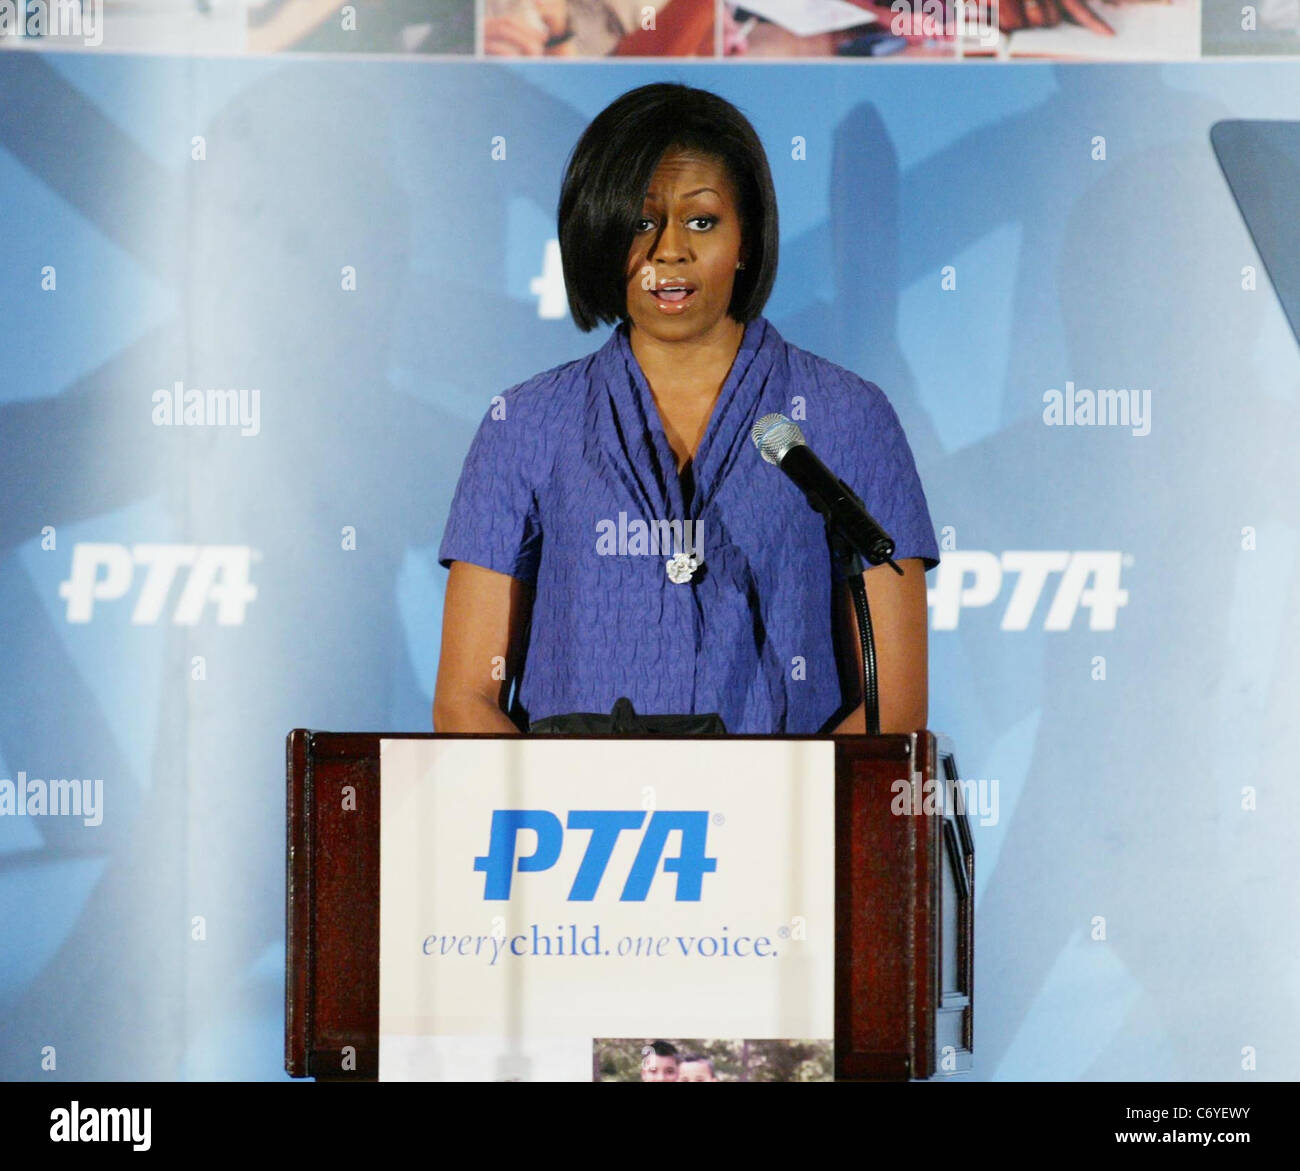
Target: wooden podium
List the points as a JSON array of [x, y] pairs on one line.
[[904, 910]]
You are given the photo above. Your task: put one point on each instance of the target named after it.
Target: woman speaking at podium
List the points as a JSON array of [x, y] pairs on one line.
[[615, 532]]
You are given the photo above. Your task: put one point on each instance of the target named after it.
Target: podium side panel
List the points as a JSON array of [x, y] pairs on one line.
[[927, 934], [297, 927], [344, 968], [876, 890]]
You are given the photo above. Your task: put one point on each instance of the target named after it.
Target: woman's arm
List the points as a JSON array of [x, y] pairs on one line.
[[900, 621], [484, 616]]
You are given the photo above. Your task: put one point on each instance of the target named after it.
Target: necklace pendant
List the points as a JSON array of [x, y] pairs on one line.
[[681, 567]]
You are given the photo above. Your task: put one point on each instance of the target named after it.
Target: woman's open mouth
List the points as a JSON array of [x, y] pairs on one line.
[[673, 296]]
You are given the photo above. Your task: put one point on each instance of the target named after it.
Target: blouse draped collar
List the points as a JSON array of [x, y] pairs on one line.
[[635, 445]]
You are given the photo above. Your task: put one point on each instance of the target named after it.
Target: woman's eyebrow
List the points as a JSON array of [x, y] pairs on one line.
[[650, 195]]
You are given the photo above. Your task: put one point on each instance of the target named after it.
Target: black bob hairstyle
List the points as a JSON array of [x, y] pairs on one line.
[[605, 183]]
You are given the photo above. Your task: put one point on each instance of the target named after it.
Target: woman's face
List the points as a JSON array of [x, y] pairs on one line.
[[688, 239]]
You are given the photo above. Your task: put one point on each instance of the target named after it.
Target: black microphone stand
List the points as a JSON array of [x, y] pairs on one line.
[[846, 565]]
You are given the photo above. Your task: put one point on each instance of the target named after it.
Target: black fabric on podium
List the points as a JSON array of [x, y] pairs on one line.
[[623, 719]]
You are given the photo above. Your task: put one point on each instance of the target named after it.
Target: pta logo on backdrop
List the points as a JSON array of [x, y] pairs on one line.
[[973, 578], [690, 864], [216, 574]]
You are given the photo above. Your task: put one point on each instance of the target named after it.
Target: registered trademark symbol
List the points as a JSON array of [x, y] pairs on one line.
[[718, 819], [783, 932]]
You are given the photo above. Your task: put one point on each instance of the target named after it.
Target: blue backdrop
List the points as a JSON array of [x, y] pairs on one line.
[[970, 237]]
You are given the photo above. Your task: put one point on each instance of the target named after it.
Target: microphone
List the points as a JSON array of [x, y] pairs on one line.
[[781, 442]]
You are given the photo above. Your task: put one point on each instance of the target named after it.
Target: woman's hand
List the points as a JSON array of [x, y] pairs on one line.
[[900, 622], [484, 615]]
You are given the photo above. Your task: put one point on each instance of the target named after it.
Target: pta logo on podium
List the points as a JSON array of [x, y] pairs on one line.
[[690, 864]]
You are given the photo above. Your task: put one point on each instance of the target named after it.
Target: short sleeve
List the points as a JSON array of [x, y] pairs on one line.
[[494, 521], [893, 494]]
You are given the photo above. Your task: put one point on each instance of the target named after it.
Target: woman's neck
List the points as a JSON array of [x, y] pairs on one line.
[[690, 369], [685, 380]]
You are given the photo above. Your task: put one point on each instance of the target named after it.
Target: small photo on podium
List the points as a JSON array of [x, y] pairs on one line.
[[638, 1059]]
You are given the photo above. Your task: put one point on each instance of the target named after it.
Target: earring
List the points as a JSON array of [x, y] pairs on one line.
[[740, 264]]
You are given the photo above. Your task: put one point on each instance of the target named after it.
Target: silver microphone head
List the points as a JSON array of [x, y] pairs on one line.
[[774, 435]]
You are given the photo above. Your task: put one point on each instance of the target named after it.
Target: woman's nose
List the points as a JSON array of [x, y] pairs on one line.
[[673, 243]]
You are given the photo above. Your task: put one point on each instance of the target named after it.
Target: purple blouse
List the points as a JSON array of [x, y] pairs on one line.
[[571, 485]]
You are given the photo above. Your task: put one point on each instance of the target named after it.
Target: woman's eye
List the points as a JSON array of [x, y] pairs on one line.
[[707, 220]]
